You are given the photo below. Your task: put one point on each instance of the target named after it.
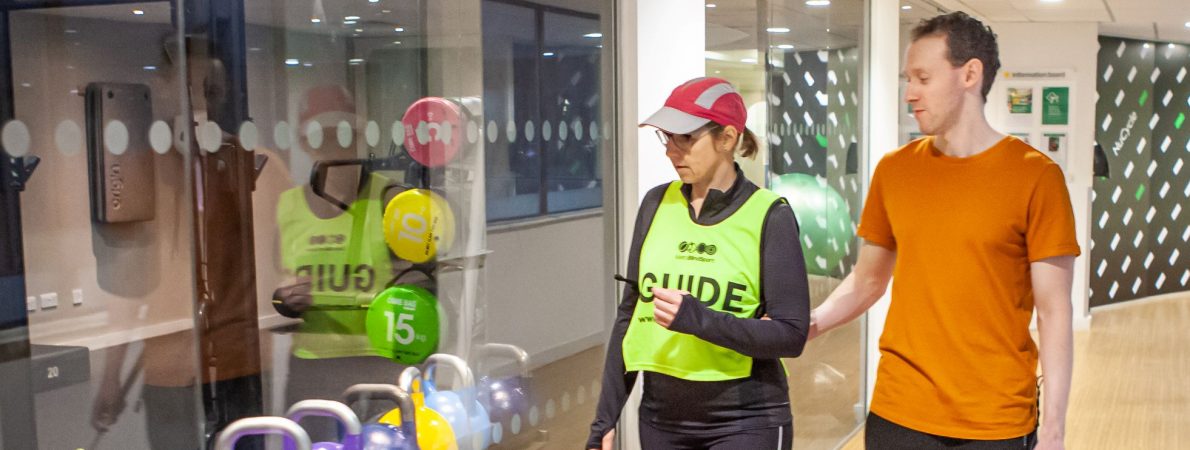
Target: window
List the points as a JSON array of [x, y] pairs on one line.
[[542, 88]]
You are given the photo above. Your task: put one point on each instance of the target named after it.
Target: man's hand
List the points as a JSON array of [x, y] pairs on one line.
[[666, 303], [1049, 441]]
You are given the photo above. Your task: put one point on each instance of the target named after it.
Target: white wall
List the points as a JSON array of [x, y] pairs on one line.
[[1073, 47], [546, 288]]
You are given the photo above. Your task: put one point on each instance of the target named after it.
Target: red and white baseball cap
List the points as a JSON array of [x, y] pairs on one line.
[[698, 102]]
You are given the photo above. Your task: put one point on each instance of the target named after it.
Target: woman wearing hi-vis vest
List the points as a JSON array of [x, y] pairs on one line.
[[711, 255]]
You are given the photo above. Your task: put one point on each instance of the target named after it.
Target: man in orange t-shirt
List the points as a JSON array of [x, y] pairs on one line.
[[977, 230]]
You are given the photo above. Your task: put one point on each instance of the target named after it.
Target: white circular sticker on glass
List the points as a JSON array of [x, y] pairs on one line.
[[69, 137], [314, 134], [510, 129], [15, 138], [578, 130], [372, 133], [529, 131], [546, 131], [115, 137], [210, 136], [493, 131], [398, 132], [281, 135], [249, 137], [472, 132], [563, 130], [344, 134], [594, 131], [160, 137]]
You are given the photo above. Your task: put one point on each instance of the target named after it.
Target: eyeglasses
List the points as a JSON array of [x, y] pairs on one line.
[[683, 141]]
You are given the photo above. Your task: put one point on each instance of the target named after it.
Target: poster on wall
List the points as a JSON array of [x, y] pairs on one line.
[[1054, 142], [1020, 100], [1056, 106]]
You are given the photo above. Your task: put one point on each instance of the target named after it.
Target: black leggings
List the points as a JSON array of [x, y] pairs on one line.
[[776, 438], [881, 434]]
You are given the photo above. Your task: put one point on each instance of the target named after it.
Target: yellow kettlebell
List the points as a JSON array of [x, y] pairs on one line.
[[433, 431], [418, 225]]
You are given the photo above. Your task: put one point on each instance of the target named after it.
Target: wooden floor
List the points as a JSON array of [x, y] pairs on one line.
[[1131, 387]]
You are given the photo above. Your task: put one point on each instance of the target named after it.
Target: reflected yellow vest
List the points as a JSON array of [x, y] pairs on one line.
[[719, 264], [347, 262]]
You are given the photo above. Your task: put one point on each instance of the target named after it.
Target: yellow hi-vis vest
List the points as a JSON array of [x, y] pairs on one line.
[[719, 264]]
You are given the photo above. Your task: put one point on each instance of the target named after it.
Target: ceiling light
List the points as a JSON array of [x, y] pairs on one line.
[[307, 64], [150, 67], [386, 11], [778, 30], [398, 29], [1187, 24], [818, 2], [748, 60], [315, 20], [359, 30], [907, 7], [1146, 45], [785, 46], [396, 42], [349, 22], [351, 18], [711, 5], [291, 62], [373, 1], [355, 61], [593, 35], [138, 12], [547, 54]]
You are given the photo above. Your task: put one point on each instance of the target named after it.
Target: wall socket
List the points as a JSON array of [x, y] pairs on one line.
[[49, 300], [77, 296], [31, 303]]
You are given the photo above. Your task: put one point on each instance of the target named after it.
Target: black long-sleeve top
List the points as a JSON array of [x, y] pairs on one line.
[[760, 400]]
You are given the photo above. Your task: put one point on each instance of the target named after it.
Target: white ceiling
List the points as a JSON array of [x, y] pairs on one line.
[[1160, 20]]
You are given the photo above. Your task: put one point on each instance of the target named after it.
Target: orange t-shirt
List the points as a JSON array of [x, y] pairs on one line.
[[957, 359]]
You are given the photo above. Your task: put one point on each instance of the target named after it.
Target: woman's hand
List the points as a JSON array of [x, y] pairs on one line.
[[608, 440], [666, 303]]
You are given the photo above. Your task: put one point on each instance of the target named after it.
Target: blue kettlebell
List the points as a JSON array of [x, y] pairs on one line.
[[508, 397], [252, 426], [479, 436], [338, 411], [445, 403], [378, 436]]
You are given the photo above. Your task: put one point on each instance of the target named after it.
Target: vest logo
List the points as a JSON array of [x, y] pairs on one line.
[[332, 239], [338, 277], [697, 247]]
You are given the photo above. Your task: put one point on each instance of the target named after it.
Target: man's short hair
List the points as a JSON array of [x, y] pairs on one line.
[[966, 39]]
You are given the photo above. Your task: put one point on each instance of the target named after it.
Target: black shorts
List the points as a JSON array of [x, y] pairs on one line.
[[775, 438], [881, 434]]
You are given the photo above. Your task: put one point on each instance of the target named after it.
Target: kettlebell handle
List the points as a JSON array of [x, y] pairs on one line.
[[493, 350], [384, 392], [455, 362], [405, 380], [263, 425], [327, 408]]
